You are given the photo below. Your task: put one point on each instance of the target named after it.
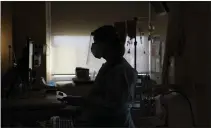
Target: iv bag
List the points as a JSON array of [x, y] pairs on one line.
[[93, 63]]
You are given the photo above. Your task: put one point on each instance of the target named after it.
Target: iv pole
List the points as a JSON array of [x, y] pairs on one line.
[[135, 44], [150, 39], [150, 36]]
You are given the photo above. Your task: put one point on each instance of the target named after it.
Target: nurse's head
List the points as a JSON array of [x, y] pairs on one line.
[[107, 43]]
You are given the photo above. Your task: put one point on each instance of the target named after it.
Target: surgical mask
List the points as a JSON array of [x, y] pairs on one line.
[[97, 50]]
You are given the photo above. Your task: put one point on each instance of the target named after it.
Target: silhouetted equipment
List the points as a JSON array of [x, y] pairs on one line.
[[23, 73], [131, 33], [131, 28], [121, 29]]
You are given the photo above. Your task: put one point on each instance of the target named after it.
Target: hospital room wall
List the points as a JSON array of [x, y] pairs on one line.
[[29, 20], [6, 36], [192, 66]]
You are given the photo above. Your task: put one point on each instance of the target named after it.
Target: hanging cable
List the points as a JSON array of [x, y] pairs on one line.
[[187, 99]]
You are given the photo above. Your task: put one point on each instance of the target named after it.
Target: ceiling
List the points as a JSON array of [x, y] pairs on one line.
[[80, 18]]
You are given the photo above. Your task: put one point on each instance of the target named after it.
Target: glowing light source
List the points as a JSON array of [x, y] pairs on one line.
[[76, 41], [69, 52]]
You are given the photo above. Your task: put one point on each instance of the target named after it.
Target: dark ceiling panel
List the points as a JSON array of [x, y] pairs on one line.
[[82, 17]]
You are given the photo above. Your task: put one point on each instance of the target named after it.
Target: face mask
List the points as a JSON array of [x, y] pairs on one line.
[[96, 50]]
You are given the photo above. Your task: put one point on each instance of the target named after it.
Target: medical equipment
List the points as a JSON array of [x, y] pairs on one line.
[[131, 32], [23, 71]]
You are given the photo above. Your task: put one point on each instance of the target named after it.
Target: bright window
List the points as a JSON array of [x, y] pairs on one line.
[[69, 52]]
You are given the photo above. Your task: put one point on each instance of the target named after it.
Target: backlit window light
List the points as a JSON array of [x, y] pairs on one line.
[[69, 52]]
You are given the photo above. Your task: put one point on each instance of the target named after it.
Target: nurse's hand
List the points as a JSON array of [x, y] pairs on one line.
[[73, 100]]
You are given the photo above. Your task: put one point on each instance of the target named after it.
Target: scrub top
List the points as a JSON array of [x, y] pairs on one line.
[[112, 95]]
